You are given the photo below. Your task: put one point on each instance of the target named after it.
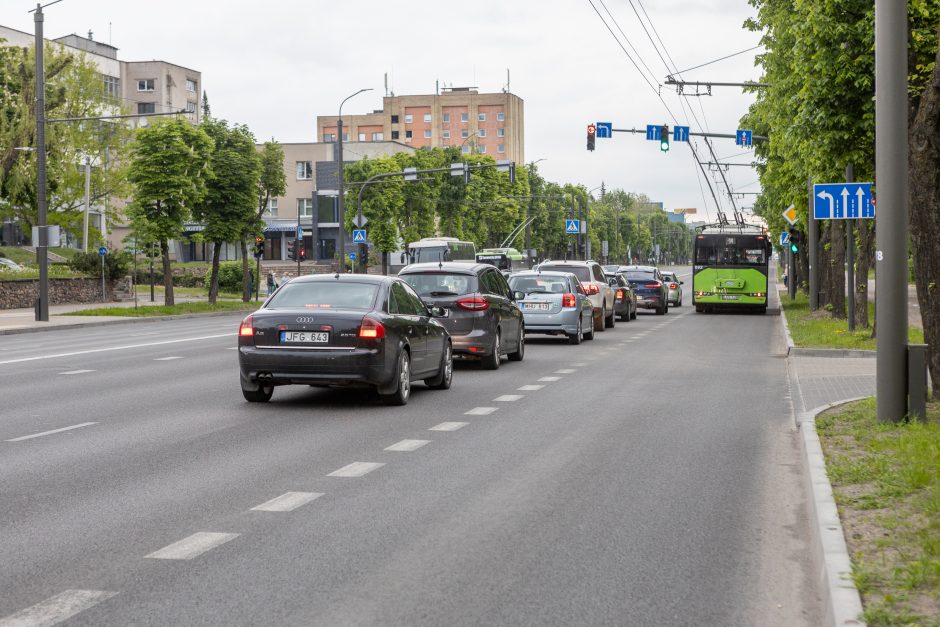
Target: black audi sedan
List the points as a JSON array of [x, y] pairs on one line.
[[344, 330]]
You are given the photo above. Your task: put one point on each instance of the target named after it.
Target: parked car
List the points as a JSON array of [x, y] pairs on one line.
[[595, 285], [484, 320], [651, 290], [674, 286], [9, 264], [347, 330], [554, 303], [624, 296]]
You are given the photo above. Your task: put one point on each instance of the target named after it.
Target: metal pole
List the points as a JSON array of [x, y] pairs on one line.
[[257, 285], [104, 293], [891, 173], [150, 255], [587, 233], [791, 274], [87, 203], [298, 241], [812, 249], [850, 256], [341, 239], [42, 256]]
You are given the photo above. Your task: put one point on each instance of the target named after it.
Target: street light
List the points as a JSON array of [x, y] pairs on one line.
[[339, 158]]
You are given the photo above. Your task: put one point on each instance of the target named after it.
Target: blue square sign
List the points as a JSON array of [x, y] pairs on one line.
[[359, 236], [572, 226]]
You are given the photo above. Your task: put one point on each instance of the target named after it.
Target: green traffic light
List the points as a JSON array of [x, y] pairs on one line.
[[794, 248], [664, 145]]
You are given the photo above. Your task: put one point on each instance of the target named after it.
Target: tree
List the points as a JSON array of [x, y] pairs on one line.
[[272, 182], [228, 209], [168, 170]]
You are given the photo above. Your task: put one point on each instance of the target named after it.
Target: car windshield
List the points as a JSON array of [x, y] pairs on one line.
[[538, 284], [582, 272], [324, 295], [641, 276], [439, 283]]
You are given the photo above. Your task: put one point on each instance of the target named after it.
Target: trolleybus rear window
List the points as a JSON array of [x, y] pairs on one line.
[[721, 250]]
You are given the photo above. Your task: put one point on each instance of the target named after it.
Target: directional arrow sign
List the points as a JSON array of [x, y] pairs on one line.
[[784, 238], [653, 131], [572, 226], [359, 236], [680, 133], [743, 137], [842, 201], [605, 130], [790, 215]]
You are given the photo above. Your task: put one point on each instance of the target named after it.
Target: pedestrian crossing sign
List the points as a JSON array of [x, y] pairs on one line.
[[572, 226], [359, 236]]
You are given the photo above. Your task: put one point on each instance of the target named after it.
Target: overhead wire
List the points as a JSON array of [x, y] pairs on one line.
[[629, 43]]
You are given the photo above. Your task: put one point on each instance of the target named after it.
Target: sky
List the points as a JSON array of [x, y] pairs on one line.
[[276, 66]]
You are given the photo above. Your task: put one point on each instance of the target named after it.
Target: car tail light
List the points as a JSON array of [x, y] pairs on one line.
[[673, 286], [620, 294], [371, 329], [473, 303], [569, 300], [655, 284], [590, 289], [246, 328], [758, 294]]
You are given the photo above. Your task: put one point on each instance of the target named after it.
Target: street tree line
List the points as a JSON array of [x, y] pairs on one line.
[[819, 113]]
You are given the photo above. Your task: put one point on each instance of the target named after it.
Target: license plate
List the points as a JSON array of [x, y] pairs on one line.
[[305, 337], [536, 306], [729, 297]]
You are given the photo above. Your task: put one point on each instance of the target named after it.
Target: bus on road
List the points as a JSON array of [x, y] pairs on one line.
[[731, 267]]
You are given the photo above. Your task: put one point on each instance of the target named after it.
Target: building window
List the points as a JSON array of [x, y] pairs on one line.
[[305, 207], [190, 106], [394, 119], [146, 107], [112, 85], [500, 132], [500, 147], [345, 137], [407, 134], [191, 85], [464, 117], [408, 118], [465, 149], [446, 134], [145, 84], [427, 117], [464, 133], [427, 133], [329, 137], [362, 137], [304, 170], [446, 118], [482, 132], [482, 149], [378, 137], [481, 117], [327, 210], [271, 209], [394, 134], [500, 116]]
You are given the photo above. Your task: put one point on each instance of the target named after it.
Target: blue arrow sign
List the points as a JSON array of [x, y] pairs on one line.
[[784, 238], [743, 137], [359, 236], [102, 251], [352, 256], [680, 133], [300, 232], [842, 201], [605, 130], [653, 131], [572, 226]]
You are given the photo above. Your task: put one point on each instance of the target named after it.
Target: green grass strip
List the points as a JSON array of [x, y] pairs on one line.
[[165, 310]]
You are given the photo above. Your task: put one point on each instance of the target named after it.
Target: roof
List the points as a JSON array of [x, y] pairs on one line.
[[470, 267], [349, 278]]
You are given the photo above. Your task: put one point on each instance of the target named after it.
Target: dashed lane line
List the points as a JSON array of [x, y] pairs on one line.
[[52, 431], [480, 411], [407, 446], [567, 370], [530, 388], [508, 398], [449, 426], [550, 379], [287, 502], [170, 358], [193, 546], [356, 469], [71, 372], [57, 608]]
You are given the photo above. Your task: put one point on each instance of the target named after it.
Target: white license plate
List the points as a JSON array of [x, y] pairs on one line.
[[729, 297], [305, 337], [536, 306]]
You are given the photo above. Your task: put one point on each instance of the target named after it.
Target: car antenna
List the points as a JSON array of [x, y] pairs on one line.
[[440, 265]]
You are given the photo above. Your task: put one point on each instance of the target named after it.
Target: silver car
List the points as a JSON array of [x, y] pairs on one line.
[[554, 303], [674, 285], [595, 286]]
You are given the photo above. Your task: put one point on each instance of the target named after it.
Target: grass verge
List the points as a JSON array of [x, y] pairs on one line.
[[886, 481], [165, 310], [818, 329]]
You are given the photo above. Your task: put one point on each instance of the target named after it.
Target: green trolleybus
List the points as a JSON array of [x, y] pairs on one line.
[[731, 266]]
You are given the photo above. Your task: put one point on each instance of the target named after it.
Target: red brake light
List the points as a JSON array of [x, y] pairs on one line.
[[673, 286], [653, 284], [590, 289], [620, 294], [371, 329], [246, 328], [569, 300], [473, 303]]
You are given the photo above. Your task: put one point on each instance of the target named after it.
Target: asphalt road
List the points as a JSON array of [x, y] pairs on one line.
[[650, 477]]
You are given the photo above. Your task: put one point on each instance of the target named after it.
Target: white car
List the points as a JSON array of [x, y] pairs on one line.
[[674, 286], [596, 287]]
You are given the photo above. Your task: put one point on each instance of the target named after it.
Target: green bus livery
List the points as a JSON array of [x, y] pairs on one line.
[[731, 266]]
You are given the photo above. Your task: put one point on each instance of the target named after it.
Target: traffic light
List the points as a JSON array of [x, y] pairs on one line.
[[259, 246], [796, 238], [303, 251], [664, 138], [292, 250], [592, 133]]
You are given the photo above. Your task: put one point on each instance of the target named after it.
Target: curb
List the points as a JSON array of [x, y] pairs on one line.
[[842, 604], [832, 352], [128, 320]]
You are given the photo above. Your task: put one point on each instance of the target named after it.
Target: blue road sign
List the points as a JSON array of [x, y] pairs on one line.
[[743, 137], [784, 238], [300, 232], [653, 131], [352, 256], [572, 226], [680, 133], [359, 236], [605, 130], [842, 201], [102, 251]]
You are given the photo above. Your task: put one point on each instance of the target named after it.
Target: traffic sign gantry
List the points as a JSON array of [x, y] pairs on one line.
[[842, 201], [790, 215], [743, 137], [572, 226], [359, 236], [605, 130]]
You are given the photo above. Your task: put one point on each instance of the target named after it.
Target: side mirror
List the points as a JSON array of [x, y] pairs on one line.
[[403, 258], [517, 295], [681, 282], [439, 312]]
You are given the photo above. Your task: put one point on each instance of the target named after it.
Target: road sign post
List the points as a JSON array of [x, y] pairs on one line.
[[812, 251], [102, 251], [850, 257]]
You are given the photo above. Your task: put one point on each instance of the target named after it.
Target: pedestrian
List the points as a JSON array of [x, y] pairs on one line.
[[272, 282]]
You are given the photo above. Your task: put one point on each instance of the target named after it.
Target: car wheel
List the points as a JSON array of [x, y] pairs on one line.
[[599, 319], [261, 395], [699, 309], [577, 336], [443, 379], [589, 335], [610, 320], [491, 362], [678, 303], [661, 310], [520, 350], [403, 390], [633, 315]]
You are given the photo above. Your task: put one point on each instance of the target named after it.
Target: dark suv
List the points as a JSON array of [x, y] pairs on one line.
[[483, 320], [651, 290]]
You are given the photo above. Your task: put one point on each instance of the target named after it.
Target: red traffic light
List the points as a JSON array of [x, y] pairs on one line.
[[591, 129]]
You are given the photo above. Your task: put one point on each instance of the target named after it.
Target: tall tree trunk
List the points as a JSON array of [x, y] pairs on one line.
[[168, 298], [214, 282], [248, 286], [862, 264], [824, 261], [802, 265], [924, 160], [837, 268]]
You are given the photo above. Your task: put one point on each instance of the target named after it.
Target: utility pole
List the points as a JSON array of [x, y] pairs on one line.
[[812, 249], [87, 203], [42, 252], [850, 256], [891, 172]]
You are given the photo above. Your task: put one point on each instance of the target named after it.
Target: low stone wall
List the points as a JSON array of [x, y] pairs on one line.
[[19, 293]]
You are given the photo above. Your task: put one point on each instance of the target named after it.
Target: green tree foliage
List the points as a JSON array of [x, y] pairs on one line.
[[116, 263], [169, 169]]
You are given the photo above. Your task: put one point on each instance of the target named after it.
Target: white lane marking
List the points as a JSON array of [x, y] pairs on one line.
[[56, 609], [407, 446], [549, 379], [171, 358], [579, 364], [232, 348], [193, 546], [76, 372], [39, 435], [449, 426], [508, 398], [356, 469], [530, 388], [114, 348], [287, 502], [570, 370], [480, 411]]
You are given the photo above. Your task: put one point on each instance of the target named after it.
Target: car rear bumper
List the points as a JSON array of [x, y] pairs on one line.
[[649, 302], [562, 322], [352, 367], [477, 343]]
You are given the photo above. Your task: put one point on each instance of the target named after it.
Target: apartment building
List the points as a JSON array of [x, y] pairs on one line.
[[488, 123]]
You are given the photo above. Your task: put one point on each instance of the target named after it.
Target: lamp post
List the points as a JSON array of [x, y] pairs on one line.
[[42, 252], [340, 176]]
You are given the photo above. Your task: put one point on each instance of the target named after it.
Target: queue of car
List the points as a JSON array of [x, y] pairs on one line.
[[387, 332]]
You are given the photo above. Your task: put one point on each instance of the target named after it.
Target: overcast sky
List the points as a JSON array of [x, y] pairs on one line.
[[276, 65]]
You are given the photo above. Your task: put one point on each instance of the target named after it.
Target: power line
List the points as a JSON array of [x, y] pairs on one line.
[[720, 59], [627, 39], [612, 34]]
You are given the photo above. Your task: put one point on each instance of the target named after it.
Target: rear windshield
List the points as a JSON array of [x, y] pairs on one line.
[[582, 272], [325, 295], [641, 276], [440, 283], [538, 284]]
